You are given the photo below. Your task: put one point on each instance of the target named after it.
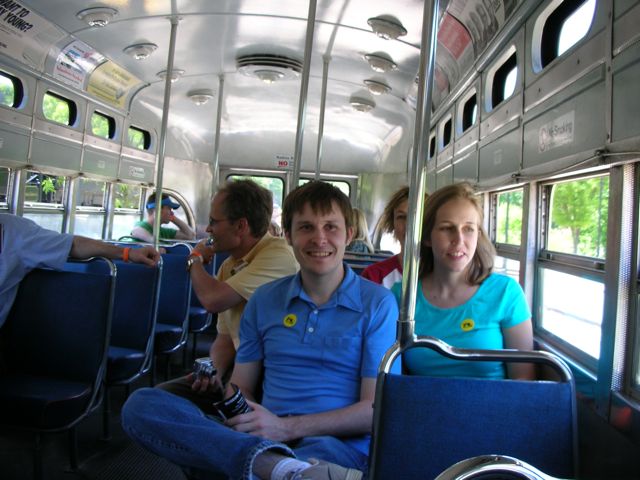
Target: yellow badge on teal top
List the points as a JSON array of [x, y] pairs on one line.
[[467, 324], [290, 320]]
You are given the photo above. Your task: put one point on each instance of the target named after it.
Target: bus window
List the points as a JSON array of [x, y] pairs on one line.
[[103, 125], [576, 25], [446, 133], [11, 90], [274, 184], [571, 263], [469, 113], [558, 28], [506, 231], [138, 138], [43, 199], [4, 188], [343, 186], [432, 147], [59, 109], [90, 208], [504, 81], [508, 217], [128, 208]]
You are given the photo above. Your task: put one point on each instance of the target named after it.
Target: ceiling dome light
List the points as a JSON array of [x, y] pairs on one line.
[[140, 51], [377, 88], [361, 104], [200, 97], [387, 27], [176, 73], [97, 16], [268, 76], [380, 62], [269, 68]]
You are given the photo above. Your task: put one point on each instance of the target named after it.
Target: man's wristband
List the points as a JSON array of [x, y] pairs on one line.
[[125, 254], [194, 256]]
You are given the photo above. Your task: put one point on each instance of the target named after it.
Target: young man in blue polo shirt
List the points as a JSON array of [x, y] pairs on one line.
[[317, 337]]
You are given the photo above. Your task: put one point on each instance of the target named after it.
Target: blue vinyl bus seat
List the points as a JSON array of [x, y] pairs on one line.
[[172, 325], [423, 425], [199, 318], [57, 336], [130, 353], [497, 467]]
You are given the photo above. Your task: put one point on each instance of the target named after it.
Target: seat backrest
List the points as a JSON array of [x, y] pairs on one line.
[[135, 306], [487, 467], [175, 289], [60, 322], [218, 258], [423, 425]]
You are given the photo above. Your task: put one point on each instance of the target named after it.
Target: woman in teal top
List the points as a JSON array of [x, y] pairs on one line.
[[459, 300]]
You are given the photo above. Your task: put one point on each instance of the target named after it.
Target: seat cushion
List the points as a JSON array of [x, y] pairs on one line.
[[167, 338], [41, 402], [199, 319], [123, 363]]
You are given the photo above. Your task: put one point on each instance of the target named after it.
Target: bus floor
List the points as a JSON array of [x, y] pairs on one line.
[[118, 458]]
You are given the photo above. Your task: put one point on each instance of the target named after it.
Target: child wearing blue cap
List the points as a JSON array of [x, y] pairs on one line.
[[143, 230]]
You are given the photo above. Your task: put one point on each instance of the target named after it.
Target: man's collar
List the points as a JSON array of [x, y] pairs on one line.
[[347, 295]]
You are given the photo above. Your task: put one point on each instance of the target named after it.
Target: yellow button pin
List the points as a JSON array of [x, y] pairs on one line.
[[467, 324], [290, 320]]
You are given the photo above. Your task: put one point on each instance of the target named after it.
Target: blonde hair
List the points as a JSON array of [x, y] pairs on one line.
[[361, 229], [482, 262], [386, 219]]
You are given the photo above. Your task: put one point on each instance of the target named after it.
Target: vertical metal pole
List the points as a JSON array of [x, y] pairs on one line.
[[216, 148], [418, 172], [304, 87], [163, 129], [323, 101]]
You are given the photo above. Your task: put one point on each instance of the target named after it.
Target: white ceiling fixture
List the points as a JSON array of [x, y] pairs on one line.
[[387, 27], [140, 51], [269, 68], [377, 88], [97, 16], [176, 73], [200, 97], [361, 104], [380, 62]]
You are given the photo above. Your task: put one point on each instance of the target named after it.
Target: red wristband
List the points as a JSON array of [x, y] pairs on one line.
[[195, 253], [125, 254]]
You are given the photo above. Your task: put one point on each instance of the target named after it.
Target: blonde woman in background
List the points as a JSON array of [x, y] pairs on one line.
[[393, 220], [360, 242]]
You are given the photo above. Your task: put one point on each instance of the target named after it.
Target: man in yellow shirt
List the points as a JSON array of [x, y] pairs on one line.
[[238, 222]]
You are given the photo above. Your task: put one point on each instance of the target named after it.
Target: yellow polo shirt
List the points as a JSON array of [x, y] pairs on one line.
[[271, 258]]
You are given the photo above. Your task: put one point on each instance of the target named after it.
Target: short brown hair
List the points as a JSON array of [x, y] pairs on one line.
[[482, 261], [320, 197], [247, 199], [386, 219]]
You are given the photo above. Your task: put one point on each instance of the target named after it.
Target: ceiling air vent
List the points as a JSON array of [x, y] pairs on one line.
[[269, 68]]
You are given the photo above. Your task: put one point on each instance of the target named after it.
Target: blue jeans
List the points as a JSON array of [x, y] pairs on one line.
[[174, 428]]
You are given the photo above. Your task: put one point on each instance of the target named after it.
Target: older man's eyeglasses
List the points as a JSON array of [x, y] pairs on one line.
[[214, 221]]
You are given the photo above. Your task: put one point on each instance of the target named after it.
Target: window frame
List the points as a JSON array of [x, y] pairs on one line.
[[146, 134], [112, 125], [589, 268], [18, 90], [73, 109], [544, 34]]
